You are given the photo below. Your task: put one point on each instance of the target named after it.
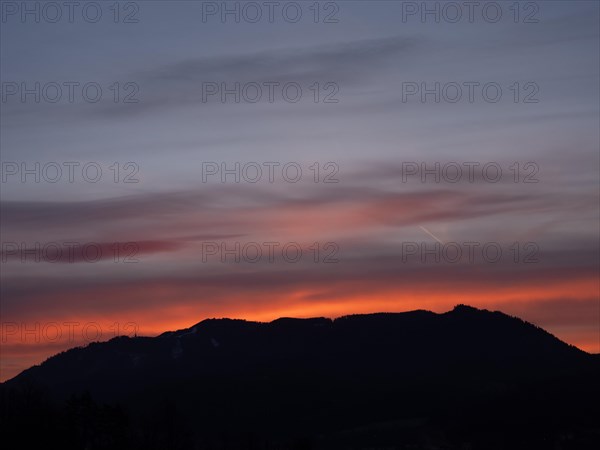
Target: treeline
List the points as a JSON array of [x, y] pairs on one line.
[[30, 419]]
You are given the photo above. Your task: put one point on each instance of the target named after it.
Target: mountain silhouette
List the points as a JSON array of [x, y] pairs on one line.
[[467, 378]]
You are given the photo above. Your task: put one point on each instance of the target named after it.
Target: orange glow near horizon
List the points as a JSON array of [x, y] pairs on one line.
[[20, 348]]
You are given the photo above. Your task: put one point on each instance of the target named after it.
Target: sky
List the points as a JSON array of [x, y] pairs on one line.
[[164, 163]]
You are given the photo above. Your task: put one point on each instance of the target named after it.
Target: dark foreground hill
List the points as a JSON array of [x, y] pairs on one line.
[[466, 379]]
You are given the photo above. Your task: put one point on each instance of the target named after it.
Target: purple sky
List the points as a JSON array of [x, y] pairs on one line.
[[371, 140]]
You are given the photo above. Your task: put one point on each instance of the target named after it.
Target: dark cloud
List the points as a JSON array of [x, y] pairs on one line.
[[180, 84], [378, 267], [349, 61]]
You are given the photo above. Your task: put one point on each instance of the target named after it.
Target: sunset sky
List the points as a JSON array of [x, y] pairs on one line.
[[373, 217]]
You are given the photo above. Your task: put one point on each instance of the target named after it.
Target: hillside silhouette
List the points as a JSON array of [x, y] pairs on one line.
[[465, 379]]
